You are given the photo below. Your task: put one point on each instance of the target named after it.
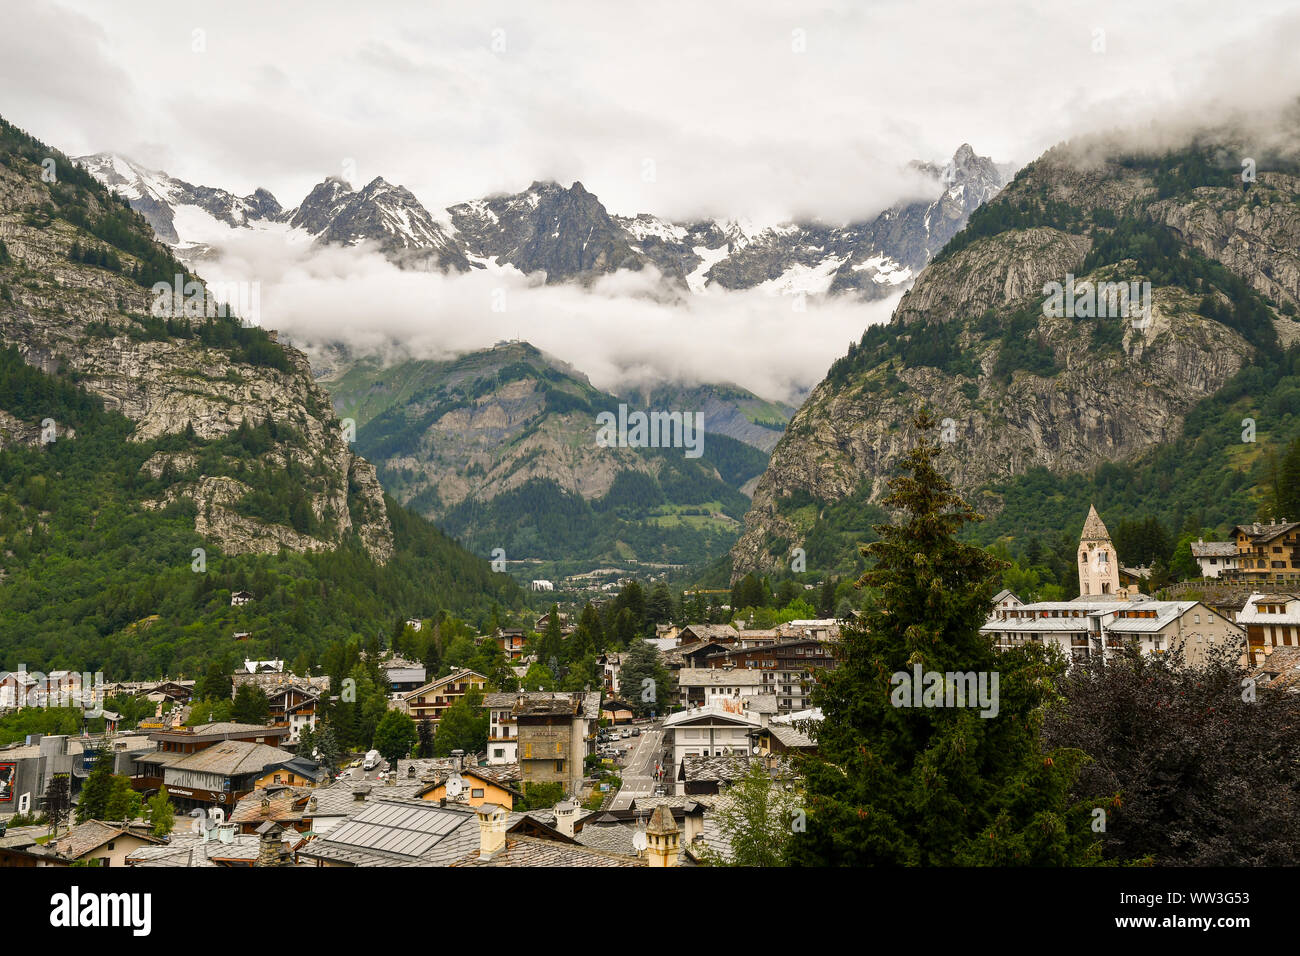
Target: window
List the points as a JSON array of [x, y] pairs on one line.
[[559, 766], [476, 792]]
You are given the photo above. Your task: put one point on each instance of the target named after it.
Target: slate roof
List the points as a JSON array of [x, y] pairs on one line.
[[188, 850], [1214, 549], [1094, 529], [532, 851], [91, 835], [1279, 669]]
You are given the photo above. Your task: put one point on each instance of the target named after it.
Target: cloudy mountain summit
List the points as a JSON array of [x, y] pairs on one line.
[[566, 234]]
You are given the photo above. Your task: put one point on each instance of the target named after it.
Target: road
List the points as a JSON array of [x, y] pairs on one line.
[[639, 767]]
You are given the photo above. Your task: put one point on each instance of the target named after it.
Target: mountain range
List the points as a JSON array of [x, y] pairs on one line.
[[567, 234]]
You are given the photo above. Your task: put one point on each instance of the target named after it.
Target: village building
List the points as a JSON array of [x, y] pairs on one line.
[[1267, 553], [1214, 558], [556, 732], [512, 641], [294, 708], [95, 843], [705, 732], [704, 686], [429, 701], [1270, 621], [210, 765], [404, 676], [1085, 627], [786, 667], [503, 733]]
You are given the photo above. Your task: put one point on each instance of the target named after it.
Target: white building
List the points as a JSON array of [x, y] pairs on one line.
[[1214, 557], [503, 732], [541, 585], [1083, 627], [708, 731]]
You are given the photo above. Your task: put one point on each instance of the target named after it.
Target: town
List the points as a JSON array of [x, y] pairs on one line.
[[653, 764]]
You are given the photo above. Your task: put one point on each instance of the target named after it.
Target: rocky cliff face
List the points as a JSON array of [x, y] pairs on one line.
[[1018, 387], [94, 324]]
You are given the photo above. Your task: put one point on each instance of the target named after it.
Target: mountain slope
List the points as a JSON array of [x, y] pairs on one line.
[[190, 430], [497, 443], [1026, 390]]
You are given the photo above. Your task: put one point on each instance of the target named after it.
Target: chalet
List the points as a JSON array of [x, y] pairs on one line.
[[290, 807], [240, 598], [1270, 621], [211, 764], [297, 771], [94, 843], [1005, 599], [470, 787], [512, 641], [293, 707], [171, 691], [404, 676], [1267, 553], [694, 633], [429, 701]]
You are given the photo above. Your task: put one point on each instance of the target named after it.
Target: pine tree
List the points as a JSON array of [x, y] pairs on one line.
[[933, 785], [57, 801], [97, 789]]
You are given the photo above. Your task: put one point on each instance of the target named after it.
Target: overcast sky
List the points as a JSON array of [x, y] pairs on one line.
[[457, 99], [759, 108]]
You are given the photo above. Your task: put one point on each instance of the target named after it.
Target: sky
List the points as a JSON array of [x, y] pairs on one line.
[[764, 109]]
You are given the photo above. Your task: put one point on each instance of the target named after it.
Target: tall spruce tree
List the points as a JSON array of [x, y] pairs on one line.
[[934, 785]]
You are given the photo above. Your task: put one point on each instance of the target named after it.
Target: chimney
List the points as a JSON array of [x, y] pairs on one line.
[[458, 759], [270, 848], [491, 830], [565, 813]]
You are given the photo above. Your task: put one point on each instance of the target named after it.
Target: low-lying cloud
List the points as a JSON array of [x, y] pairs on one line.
[[624, 331]]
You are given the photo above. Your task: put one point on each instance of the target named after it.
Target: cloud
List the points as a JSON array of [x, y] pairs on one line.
[[622, 332], [766, 110]]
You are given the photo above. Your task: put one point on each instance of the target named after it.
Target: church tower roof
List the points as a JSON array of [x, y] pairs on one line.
[[1094, 529]]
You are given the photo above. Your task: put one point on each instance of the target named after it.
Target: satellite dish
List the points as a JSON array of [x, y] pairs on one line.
[[639, 841], [455, 785]]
